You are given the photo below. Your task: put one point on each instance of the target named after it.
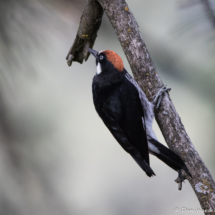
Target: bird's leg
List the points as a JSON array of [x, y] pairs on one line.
[[158, 97], [179, 180]]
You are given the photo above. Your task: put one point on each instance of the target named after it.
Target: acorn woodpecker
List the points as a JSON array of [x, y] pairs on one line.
[[128, 114]]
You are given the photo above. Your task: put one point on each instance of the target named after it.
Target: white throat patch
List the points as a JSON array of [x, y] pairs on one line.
[[99, 70]]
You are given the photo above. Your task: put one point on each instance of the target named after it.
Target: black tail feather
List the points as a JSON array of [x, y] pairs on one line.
[[144, 166], [169, 157]]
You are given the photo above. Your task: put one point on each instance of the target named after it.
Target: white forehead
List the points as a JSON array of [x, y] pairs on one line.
[[102, 51]]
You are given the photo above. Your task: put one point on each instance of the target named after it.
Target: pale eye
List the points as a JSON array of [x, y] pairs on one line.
[[101, 57]]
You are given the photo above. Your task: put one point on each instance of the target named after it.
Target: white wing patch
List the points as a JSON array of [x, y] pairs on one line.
[[147, 106], [153, 149], [148, 110], [98, 67]]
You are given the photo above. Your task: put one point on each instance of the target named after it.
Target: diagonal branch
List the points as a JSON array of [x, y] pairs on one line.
[[167, 118]]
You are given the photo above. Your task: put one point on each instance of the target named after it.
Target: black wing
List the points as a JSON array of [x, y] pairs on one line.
[[122, 139], [121, 110]]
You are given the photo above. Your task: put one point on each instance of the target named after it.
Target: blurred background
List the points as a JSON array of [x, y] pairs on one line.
[[56, 156]]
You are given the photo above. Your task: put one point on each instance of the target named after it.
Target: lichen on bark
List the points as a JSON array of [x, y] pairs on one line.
[[87, 32]]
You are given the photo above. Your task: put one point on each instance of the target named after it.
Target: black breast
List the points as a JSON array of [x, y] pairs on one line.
[[120, 100]]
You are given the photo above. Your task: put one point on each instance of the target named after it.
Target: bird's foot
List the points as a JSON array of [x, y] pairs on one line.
[[179, 180], [159, 95]]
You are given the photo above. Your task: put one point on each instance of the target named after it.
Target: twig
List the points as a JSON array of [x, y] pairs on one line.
[[87, 32]]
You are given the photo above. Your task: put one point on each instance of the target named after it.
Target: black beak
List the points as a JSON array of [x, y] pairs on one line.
[[94, 53]]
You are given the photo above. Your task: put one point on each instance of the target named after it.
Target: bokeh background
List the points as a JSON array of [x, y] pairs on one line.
[[56, 156]]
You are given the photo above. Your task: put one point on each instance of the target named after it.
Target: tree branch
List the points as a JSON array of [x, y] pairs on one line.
[[167, 118], [87, 32]]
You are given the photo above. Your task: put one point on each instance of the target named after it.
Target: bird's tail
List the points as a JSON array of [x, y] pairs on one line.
[[169, 157], [144, 166]]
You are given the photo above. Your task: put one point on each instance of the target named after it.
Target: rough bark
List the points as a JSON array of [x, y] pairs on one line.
[[167, 118], [87, 32]]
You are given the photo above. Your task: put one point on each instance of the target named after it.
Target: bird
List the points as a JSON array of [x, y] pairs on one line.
[[128, 114]]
